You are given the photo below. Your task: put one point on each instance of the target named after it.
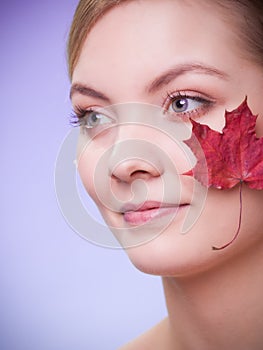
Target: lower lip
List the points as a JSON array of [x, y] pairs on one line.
[[136, 218]]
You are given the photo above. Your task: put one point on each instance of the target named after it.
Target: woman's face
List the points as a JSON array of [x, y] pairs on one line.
[[182, 58]]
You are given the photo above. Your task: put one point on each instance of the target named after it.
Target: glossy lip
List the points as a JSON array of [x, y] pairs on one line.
[[141, 214]]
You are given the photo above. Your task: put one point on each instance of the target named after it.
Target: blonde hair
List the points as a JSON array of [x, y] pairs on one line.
[[249, 21], [86, 15]]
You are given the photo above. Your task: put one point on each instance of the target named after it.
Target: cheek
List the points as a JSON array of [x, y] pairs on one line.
[[252, 217], [255, 103], [91, 165], [252, 88], [86, 167], [93, 170], [86, 178], [259, 125]]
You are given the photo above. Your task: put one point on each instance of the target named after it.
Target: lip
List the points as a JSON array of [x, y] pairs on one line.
[[148, 211]]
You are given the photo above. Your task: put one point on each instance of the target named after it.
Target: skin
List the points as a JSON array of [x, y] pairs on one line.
[[213, 298]]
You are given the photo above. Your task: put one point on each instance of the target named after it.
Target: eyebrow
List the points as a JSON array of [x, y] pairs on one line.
[[163, 79], [181, 69], [87, 91]]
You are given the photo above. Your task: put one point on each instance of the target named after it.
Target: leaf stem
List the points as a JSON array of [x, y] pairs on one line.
[[239, 221]]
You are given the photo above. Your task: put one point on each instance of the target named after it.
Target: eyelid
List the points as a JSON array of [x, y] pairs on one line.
[[207, 101], [172, 95], [79, 113]]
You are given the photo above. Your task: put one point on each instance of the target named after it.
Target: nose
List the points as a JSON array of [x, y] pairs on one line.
[[134, 159], [133, 169]]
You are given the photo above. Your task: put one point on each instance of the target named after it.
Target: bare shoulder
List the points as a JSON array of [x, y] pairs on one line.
[[154, 339]]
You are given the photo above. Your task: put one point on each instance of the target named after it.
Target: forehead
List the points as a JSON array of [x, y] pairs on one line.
[[141, 35]]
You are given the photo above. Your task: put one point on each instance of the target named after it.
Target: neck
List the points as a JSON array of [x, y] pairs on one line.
[[218, 309]]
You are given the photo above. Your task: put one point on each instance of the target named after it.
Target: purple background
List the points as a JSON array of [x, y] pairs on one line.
[[57, 290]]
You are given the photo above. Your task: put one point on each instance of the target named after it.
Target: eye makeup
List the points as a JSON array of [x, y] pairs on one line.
[[186, 105], [182, 105]]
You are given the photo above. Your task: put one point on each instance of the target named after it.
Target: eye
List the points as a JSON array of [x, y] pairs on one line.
[[186, 105], [91, 118], [183, 104]]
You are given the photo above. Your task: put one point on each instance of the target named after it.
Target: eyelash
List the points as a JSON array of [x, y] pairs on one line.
[[79, 113], [171, 97]]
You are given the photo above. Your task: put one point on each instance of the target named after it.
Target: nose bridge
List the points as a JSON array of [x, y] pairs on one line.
[[130, 131]]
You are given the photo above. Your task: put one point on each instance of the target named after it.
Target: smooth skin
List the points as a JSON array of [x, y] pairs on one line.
[[214, 298]]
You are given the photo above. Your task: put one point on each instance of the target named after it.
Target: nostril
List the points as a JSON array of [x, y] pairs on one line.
[[129, 178], [138, 172], [130, 170]]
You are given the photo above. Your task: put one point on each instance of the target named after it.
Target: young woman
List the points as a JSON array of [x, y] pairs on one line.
[[129, 60]]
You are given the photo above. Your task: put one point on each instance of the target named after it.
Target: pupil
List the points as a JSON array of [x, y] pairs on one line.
[[181, 104], [94, 118]]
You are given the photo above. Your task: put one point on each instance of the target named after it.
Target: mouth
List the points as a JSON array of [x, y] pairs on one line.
[[149, 211]]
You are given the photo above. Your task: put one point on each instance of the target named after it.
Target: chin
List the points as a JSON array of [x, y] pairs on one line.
[[181, 256]]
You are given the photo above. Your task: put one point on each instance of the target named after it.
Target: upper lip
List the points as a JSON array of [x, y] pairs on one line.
[[129, 207]]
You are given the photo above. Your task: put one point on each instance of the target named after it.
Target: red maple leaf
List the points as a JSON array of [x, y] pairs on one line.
[[232, 157]]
